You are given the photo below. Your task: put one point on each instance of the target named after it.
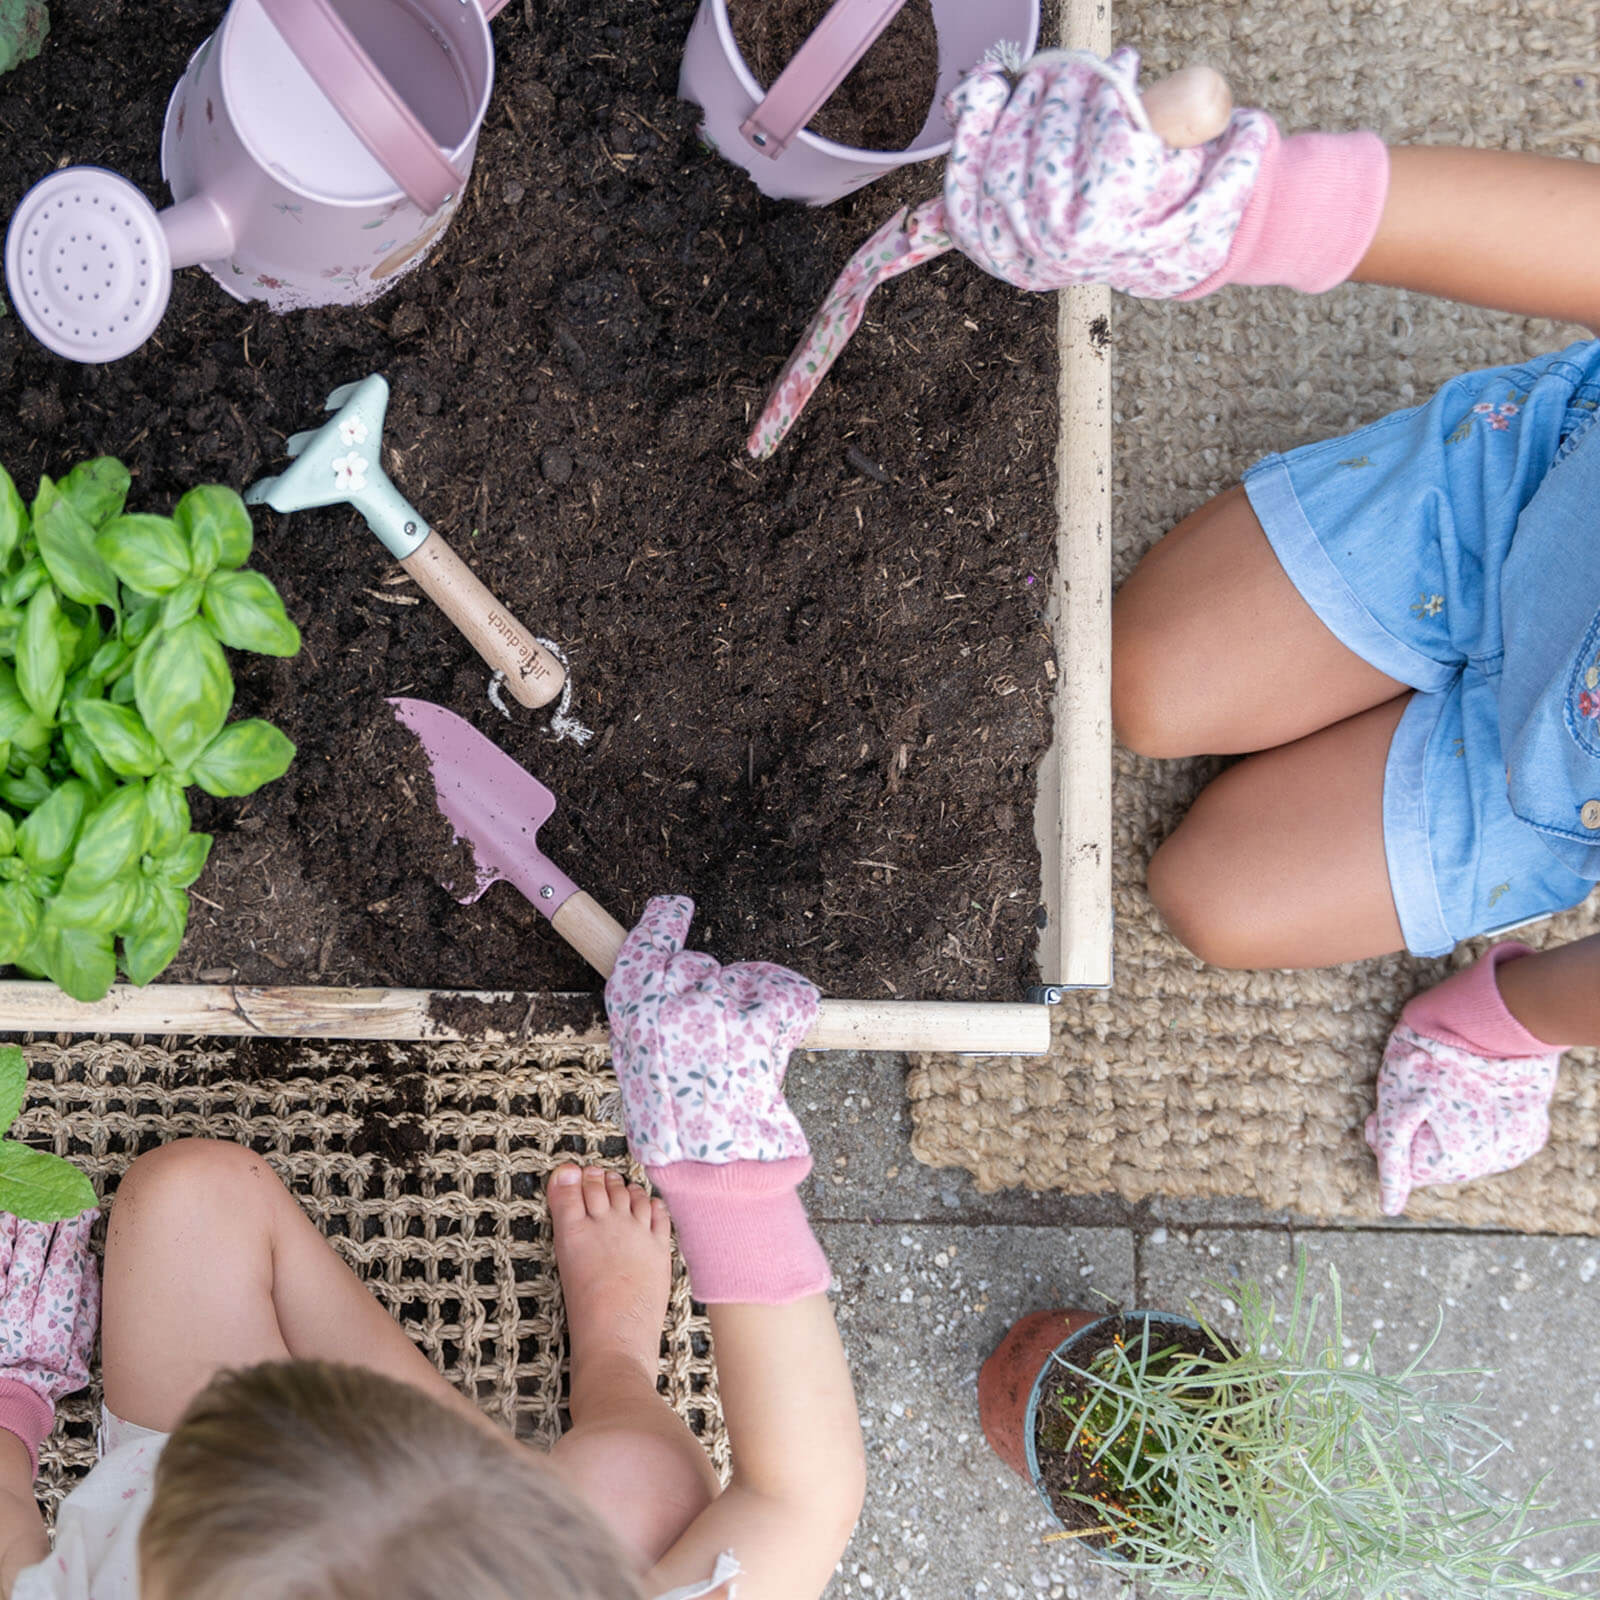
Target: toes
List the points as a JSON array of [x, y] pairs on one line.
[[596, 1196], [617, 1191], [564, 1192], [660, 1220], [640, 1201]]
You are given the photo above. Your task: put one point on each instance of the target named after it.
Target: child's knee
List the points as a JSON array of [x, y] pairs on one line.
[[189, 1175], [1147, 711], [1202, 908]]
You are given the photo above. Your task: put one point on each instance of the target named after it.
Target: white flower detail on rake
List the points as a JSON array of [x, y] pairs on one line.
[[353, 431], [350, 472]]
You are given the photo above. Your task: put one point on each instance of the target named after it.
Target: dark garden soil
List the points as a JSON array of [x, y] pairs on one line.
[[819, 686], [884, 102], [1066, 1468]]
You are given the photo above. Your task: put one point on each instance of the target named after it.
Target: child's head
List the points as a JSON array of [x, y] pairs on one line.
[[302, 1480]]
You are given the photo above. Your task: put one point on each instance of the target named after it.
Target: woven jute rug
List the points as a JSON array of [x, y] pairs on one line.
[[425, 1166], [1189, 1082]]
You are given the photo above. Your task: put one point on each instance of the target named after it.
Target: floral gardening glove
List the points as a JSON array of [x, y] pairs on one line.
[[1060, 179], [49, 1310], [1446, 1114], [700, 1049]]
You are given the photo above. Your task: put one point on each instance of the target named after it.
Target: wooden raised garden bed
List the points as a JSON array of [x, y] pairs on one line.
[[822, 687]]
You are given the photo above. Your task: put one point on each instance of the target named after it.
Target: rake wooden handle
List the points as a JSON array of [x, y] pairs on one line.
[[1190, 107], [533, 675], [936, 1025]]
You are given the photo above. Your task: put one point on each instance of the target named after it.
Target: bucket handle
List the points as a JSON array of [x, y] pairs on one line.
[[815, 70], [368, 102]]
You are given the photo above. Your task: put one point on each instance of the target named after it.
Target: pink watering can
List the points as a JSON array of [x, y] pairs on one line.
[[316, 150]]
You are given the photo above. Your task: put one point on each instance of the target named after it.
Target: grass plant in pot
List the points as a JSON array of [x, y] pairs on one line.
[[1277, 1463]]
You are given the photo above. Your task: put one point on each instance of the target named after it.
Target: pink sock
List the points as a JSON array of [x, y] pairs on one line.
[[743, 1231], [26, 1413], [1466, 1010], [1313, 213]]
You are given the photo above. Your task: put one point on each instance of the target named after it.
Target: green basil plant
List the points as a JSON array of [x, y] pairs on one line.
[[114, 698], [34, 1184]]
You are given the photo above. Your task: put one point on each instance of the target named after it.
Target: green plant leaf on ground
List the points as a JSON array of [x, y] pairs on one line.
[[13, 1084], [67, 544], [23, 26], [183, 690], [40, 1187], [242, 757], [247, 613]]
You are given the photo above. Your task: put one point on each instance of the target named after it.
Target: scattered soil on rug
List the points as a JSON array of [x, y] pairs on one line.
[[819, 686], [884, 101]]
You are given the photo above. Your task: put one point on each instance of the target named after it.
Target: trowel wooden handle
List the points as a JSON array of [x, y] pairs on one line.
[[1004, 1029], [533, 675], [1188, 108]]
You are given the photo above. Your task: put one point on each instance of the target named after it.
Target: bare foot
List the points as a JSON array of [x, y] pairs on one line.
[[614, 1253]]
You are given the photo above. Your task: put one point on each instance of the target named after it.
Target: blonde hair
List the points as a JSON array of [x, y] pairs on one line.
[[305, 1480]]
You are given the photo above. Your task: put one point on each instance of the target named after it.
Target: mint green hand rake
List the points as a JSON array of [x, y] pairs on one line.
[[341, 463]]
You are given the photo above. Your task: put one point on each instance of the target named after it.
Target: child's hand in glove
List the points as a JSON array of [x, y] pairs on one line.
[[49, 1309], [700, 1049]]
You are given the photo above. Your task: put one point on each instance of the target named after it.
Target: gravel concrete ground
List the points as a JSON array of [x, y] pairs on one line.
[[931, 1274]]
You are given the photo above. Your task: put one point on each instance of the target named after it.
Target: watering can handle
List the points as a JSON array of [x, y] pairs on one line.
[[368, 102], [815, 70]]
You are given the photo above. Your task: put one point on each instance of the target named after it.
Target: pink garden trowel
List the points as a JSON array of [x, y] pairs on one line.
[[498, 807]]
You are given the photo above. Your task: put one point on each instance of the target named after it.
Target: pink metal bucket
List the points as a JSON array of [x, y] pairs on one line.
[[316, 150], [764, 131]]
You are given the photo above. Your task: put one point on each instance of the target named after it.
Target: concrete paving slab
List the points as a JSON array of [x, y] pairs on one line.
[[853, 1106], [1178, 1266], [920, 1307], [1522, 1307]]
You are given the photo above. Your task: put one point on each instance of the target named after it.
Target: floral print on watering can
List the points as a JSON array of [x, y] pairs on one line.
[[316, 217]]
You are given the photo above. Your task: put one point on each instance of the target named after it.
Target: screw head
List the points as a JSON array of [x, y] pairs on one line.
[[546, 892], [411, 528], [759, 139]]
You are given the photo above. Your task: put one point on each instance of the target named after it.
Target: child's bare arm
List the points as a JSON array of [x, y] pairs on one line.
[[1493, 228], [799, 1469], [22, 1535]]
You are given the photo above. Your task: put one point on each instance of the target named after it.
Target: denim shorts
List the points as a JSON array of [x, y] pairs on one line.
[[1397, 536]]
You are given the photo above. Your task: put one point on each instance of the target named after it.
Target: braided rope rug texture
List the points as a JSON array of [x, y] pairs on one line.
[[1184, 1081], [424, 1166]]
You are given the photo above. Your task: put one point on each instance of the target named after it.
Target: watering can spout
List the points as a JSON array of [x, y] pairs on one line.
[[197, 230]]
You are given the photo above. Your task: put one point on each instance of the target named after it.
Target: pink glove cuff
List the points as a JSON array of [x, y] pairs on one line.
[[1466, 1010], [1311, 216], [743, 1230], [26, 1413]]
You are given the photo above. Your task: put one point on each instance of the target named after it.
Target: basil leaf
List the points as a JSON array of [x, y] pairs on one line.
[[112, 838], [66, 543], [187, 862], [97, 488], [17, 721], [13, 1084], [168, 811], [19, 921], [29, 791], [82, 963], [46, 837], [13, 517], [138, 622], [242, 758], [183, 689], [122, 690], [41, 673], [94, 908], [151, 940], [182, 603], [121, 738], [248, 614], [147, 553], [19, 588], [40, 1187], [85, 760], [214, 521], [111, 656], [8, 835]]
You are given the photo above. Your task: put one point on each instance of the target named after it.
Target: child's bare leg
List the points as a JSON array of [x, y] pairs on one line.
[[1555, 994], [628, 1452], [1213, 651], [210, 1263], [1280, 862]]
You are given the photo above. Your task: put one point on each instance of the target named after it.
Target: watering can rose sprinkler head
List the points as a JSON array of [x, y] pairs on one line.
[[1032, 140]]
